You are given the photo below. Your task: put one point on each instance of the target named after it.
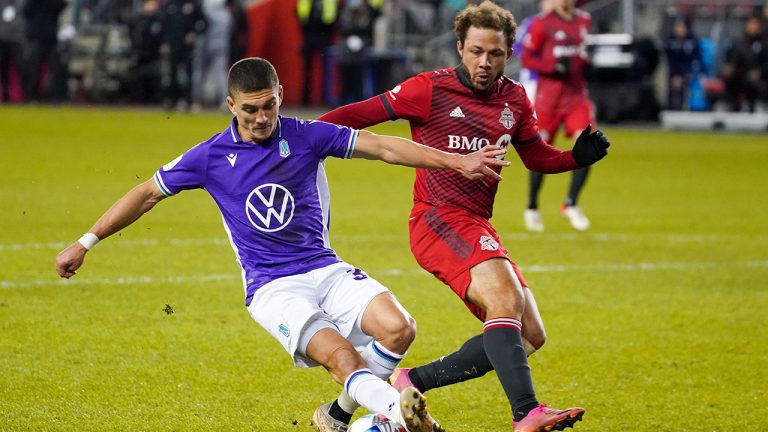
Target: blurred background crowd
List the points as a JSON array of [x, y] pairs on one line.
[[647, 55]]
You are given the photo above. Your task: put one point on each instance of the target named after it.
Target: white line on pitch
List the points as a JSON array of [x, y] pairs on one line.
[[605, 237], [219, 277]]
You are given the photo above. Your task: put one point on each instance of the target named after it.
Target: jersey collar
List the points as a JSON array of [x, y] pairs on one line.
[[236, 136]]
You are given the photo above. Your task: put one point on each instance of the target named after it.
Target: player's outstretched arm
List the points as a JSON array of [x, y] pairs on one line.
[[590, 146], [401, 151], [124, 212]]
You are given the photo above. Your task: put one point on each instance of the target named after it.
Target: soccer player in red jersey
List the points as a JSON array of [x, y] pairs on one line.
[[461, 110], [555, 48]]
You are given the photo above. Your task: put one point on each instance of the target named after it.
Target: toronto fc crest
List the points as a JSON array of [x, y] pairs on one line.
[[507, 118]]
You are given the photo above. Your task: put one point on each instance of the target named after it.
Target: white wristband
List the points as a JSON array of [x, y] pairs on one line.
[[88, 240]]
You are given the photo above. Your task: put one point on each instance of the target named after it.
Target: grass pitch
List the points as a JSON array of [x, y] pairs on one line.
[[656, 317]]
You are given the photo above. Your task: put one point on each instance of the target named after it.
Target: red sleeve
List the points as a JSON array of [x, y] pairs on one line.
[[358, 115], [532, 56], [541, 157], [410, 100]]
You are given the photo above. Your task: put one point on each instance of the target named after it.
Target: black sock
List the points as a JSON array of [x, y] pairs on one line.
[[465, 364], [534, 184], [339, 414], [504, 347], [578, 178]]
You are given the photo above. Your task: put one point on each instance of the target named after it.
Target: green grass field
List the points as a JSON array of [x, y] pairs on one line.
[[656, 317]]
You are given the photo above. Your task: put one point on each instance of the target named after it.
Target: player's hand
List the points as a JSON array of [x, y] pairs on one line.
[[479, 164], [590, 147], [562, 66], [70, 259]]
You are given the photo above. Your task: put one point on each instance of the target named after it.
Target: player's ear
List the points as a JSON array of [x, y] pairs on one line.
[[510, 53], [280, 95], [231, 104], [459, 47]]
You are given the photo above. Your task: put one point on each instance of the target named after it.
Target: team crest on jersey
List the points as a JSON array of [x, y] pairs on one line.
[[285, 151], [284, 330], [488, 243], [507, 118]]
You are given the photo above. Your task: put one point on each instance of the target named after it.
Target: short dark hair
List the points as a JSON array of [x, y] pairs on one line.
[[251, 75], [486, 15]]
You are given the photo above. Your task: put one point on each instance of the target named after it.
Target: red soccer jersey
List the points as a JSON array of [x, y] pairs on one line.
[[446, 114], [551, 37]]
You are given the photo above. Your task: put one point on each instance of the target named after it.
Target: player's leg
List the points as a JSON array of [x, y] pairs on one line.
[[575, 121], [372, 321], [534, 334], [391, 330], [470, 361], [496, 288]]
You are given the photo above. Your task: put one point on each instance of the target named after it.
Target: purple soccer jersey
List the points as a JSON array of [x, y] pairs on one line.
[[273, 195]]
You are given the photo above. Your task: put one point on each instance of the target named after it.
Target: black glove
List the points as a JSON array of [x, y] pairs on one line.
[[590, 147], [562, 66]]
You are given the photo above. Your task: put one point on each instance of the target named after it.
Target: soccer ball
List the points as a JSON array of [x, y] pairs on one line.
[[376, 423]]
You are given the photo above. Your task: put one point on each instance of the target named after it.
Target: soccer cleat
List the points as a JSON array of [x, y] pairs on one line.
[[533, 220], [325, 423], [413, 409], [575, 216], [545, 419], [400, 379]]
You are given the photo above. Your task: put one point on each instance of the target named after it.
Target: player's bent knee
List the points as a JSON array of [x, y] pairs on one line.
[[400, 334]]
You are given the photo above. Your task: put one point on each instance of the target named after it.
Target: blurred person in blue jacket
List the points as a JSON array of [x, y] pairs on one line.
[[683, 61]]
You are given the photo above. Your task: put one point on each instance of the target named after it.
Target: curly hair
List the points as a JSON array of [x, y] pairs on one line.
[[486, 15]]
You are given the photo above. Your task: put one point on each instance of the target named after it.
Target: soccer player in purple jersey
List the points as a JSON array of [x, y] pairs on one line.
[[266, 174]]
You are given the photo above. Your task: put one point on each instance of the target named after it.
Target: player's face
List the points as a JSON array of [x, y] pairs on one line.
[[256, 113], [484, 54]]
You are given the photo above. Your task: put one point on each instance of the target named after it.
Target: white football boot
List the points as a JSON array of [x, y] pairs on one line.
[[576, 217], [533, 222]]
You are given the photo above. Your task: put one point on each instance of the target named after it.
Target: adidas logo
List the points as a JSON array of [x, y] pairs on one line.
[[457, 113]]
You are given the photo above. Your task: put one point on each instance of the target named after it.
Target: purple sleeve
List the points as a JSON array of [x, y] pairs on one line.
[[331, 140], [185, 172]]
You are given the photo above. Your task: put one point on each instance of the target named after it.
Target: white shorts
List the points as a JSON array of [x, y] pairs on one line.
[[293, 308]]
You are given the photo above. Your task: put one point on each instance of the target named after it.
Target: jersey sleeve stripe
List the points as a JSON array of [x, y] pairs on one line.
[[531, 140], [161, 185], [351, 144], [388, 107]]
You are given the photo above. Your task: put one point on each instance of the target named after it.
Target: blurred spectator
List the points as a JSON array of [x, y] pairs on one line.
[[146, 32], [42, 26], [212, 59], [683, 60], [356, 39], [183, 22], [317, 18], [746, 67], [238, 39], [11, 39]]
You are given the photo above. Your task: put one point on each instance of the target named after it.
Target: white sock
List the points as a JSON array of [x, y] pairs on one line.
[[373, 393], [346, 402], [381, 361]]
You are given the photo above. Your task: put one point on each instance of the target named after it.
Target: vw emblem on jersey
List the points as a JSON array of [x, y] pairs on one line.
[[507, 118], [487, 243], [269, 207]]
